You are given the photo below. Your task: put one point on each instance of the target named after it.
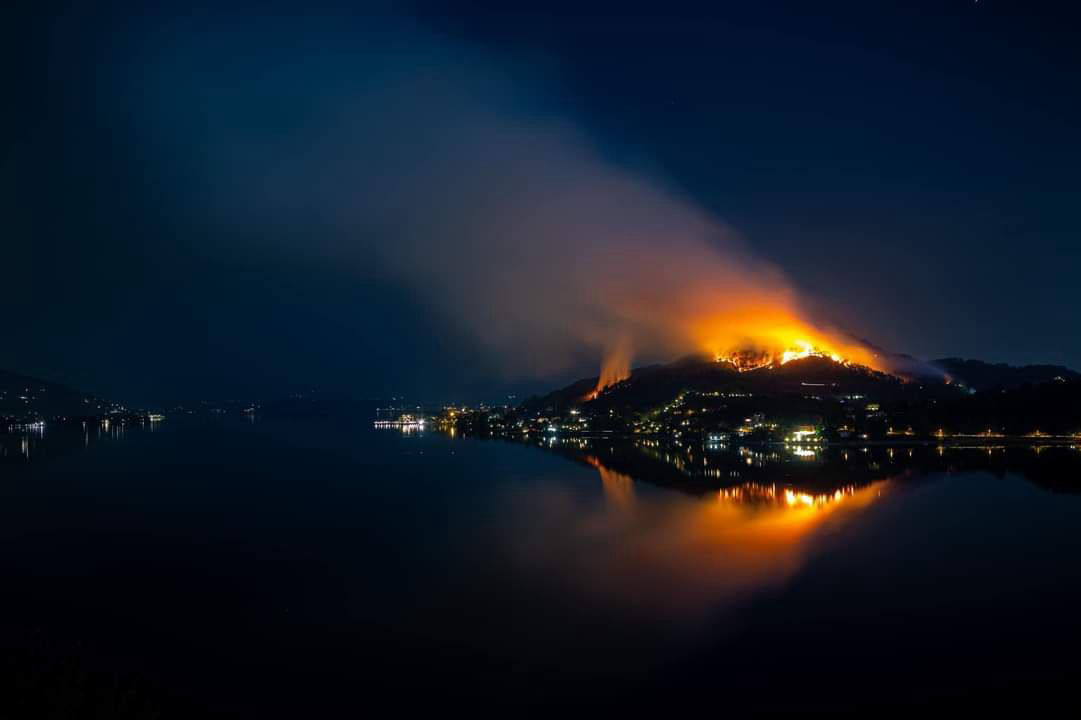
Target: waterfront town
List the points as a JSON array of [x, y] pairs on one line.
[[810, 402]]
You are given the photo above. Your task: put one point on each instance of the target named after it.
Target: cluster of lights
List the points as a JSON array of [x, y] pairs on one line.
[[405, 423]]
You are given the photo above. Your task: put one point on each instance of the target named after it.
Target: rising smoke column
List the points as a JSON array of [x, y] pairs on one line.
[[440, 168]]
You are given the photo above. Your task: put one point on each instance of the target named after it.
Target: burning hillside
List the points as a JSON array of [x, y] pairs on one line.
[[747, 349], [746, 360]]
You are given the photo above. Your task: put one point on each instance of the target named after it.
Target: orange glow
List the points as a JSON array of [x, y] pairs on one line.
[[688, 295], [757, 331], [618, 488], [759, 312], [776, 338], [676, 553]]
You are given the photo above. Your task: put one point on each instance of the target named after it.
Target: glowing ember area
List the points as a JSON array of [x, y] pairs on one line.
[[757, 329], [746, 360], [807, 350], [749, 340], [701, 302], [775, 337]]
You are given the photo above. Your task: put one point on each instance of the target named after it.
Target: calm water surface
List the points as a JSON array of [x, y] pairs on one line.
[[274, 569]]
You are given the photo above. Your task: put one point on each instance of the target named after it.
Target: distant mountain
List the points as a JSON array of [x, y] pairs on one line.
[[22, 396], [902, 365], [980, 375]]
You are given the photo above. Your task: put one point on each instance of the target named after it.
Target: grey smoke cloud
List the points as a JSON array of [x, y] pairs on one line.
[[425, 162]]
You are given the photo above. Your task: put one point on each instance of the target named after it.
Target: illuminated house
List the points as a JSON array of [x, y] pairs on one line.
[[804, 434]]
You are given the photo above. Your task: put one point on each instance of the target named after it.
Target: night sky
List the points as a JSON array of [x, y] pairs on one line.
[[208, 202]]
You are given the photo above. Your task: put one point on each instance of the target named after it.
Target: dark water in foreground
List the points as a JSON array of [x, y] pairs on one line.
[[316, 569]]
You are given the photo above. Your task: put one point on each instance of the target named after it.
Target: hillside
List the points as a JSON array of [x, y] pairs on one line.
[[980, 375], [657, 384], [973, 397], [22, 396]]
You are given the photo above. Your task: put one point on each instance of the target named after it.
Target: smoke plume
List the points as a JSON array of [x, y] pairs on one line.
[[433, 165]]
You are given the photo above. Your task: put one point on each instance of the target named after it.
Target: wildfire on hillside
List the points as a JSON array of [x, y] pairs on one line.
[[745, 360], [750, 341], [777, 337]]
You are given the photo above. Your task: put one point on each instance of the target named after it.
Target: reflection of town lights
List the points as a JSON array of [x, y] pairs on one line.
[[753, 493], [405, 423], [793, 498]]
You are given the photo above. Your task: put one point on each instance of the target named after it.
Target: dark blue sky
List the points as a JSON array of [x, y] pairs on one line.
[[197, 200]]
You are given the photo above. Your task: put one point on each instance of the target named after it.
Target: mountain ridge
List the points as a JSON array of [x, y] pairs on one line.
[[25, 396]]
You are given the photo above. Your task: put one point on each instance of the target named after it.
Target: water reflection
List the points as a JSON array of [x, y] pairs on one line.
[[21, 444], [700, 468], [618, 488], [684, 530], [674, 554]]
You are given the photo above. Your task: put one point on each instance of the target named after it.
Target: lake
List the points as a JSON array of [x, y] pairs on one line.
[[279, 568]]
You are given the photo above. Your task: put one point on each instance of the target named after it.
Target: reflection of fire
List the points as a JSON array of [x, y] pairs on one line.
[[756, 494], [675, 553], [618, 488]]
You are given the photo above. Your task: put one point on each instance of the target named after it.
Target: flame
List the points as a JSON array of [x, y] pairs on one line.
[[754, 330], [776, 338], [746, 359]]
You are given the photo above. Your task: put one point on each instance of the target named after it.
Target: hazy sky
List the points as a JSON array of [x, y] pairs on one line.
[[224, 202]]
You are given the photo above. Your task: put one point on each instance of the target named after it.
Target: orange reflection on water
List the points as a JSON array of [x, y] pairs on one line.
[[764, 530], [674, 553], [618, 488]]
